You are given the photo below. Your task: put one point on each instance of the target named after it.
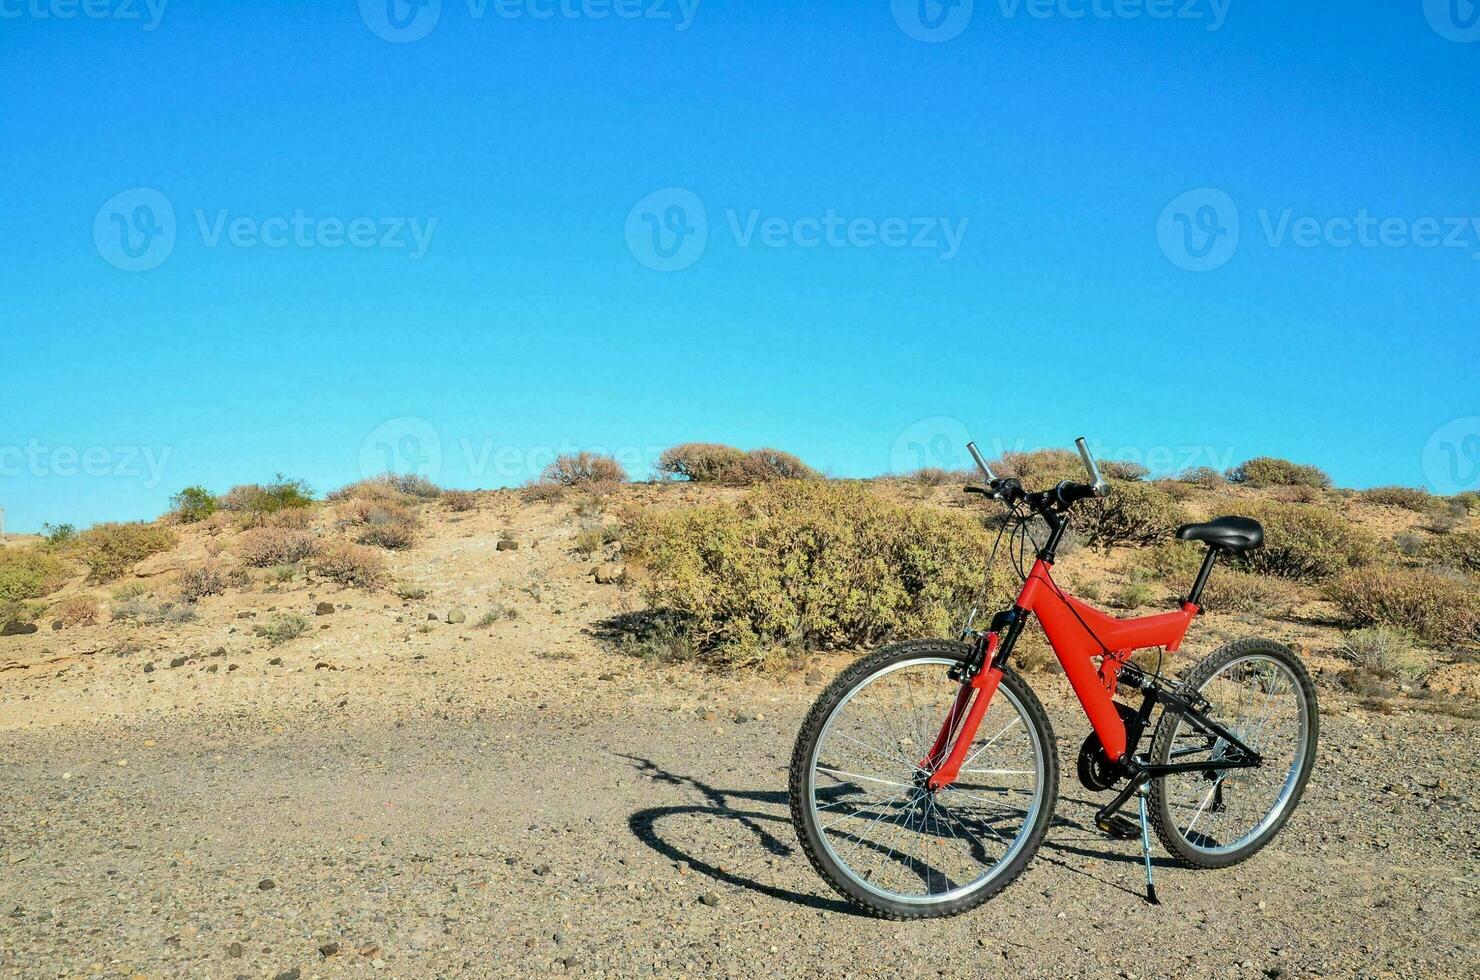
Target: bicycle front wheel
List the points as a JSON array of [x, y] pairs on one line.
[[1262, 694], [858, 797]]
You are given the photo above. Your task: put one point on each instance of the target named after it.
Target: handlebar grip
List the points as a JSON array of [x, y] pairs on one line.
[[981, 464], [1097, 483], [1071, 493]]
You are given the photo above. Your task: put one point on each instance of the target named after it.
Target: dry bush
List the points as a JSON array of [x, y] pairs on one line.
[[349, 564], [196, 583], [393, 537], [1202, 476], [806, 565], [934, 476], [268, 546], [583, 468], [1305, 542], [1230, 590], [1133, 513], [388, 486], [1439, 609], [295, 518], [1408, 498], [78, 610], [29, 573], [1040, 469], [708, 462], [1297, 494], [1381, 650], [1269, 471], [282, 628], [1458, 550], [460, 501], [381, 523], [537, 491], [111, 550]]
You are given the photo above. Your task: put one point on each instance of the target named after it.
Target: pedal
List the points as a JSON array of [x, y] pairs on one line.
[[1118, 827]]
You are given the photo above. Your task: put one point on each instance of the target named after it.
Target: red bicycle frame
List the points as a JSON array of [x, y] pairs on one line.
[[1079, 634]]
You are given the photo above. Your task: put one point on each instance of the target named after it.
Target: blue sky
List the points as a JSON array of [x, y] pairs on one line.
[[259, 237]]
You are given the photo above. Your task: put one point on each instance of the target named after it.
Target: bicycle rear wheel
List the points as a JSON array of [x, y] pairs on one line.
[[1260, 691], [858, 797]]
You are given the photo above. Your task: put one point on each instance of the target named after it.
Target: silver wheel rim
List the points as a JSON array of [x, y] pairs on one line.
[[896, 840], [1259, 699]]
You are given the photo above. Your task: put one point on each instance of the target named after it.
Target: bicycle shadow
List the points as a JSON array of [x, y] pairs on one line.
[[1057, 849]]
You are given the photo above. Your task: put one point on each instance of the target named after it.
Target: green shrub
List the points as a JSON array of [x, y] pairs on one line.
[[349, 564], [111, 550], [252, 501], [1268, 471], [1409, 498], [1230, 590], [282, 628], [580, 469], [1467, 502], [1382, 650], [1133, 513], [934, 476], [29, 573], [265, 547], [1458, 550], [1135, 592], [1436, 608], [1304, 541], [709, 462], [192, 504], [388, 486], [1202, 476], [807, 565], [59, 535]]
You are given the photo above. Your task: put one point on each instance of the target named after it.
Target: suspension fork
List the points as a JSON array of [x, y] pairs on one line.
[[958, 730]]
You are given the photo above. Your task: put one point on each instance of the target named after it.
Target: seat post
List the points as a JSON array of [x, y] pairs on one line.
[[1202, 574]]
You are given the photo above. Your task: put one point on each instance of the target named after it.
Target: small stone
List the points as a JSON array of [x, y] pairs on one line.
[[457, 616], [149, 668], [507, 544], [17, 629], [178, 661], [275, 662], [234, 951], [542, 869], [266, 885], [56, 625], [710, 899], [246, 614], [609, 574], [370, 950], [328, 949], [324, 609], [742, 718], [292, 974]]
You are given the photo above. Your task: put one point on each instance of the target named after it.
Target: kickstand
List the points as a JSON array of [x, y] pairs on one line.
[[1146, 847]]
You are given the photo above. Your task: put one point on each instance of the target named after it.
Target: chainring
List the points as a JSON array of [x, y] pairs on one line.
[[1095, 769]]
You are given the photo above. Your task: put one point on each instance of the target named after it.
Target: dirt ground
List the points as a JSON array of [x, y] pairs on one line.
[[401, 795]]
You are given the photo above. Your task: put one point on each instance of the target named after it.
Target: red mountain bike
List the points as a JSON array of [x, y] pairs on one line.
[[925, 776]]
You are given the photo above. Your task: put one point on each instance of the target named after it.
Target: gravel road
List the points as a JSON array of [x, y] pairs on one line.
[[646, 833]]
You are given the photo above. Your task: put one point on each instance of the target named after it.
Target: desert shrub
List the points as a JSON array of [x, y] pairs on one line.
[[934, 476], [282, 628], [150, 614], [381, 523], [708, 462], [411, 485], [1409, 545], [281, 574], [807, 565], [1458, 550], [1299, 494], [349, 564], [1202, 476], [110, 550], [1303, 541], [583, 468], [1120, 469], [498, 611], [1133, 513], [590, 540], [1041, 468], [1230, 590], [1381, 650], [1409, 498], [537, 491], [265, 547], [388, 486], [295, 518], [1467, 502], [1135, 592], [252, 501], [1435, 608], [196, 583], [29, 573], [78, 610], [460, 501], [59, 535], [1269, 471], [192, 504]]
